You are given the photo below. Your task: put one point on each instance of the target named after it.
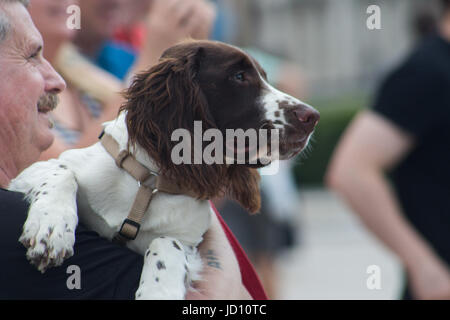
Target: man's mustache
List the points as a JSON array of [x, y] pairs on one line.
[[47, 102]]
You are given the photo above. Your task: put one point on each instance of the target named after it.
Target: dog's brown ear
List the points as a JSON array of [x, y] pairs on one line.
[[166, 98], [244, 187]]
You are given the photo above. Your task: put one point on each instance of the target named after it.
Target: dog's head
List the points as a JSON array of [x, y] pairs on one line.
[[224, 88]]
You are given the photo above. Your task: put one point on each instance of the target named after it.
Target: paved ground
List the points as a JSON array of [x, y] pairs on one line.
[[332, 260]]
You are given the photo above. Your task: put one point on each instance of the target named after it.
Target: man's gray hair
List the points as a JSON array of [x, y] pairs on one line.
[[5, 26]]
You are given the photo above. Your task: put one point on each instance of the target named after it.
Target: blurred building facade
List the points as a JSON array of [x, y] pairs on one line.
[[330, 38]]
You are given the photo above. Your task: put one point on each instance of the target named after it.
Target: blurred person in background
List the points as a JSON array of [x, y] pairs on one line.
[[100, 19], [122, 36], [406, 134]]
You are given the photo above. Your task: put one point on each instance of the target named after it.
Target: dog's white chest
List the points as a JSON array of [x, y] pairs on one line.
[[104, 202]]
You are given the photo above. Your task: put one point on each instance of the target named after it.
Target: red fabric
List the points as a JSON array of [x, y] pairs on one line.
[[249, 276], [133, 36]]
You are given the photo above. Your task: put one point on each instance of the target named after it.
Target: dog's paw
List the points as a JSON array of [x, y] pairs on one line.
[[49, 237]]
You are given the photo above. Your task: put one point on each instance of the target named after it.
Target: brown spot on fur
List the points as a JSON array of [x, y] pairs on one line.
[[284, 105]]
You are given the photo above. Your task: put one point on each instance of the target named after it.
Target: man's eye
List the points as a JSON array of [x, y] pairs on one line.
[[35, 54], [239, 76]]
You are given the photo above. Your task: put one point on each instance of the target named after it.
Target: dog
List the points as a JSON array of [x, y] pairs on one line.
[[212, 82]]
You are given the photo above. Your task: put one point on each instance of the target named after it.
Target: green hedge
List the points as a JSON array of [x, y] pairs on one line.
[[335, 115]]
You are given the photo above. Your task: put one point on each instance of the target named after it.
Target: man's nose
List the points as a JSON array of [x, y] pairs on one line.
[[308, 116], [54, 83]]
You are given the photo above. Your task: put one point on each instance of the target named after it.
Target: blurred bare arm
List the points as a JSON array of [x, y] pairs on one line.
[[221, 275], [371, 146]]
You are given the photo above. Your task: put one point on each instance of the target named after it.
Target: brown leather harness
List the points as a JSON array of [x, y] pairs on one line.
[[150, 183]]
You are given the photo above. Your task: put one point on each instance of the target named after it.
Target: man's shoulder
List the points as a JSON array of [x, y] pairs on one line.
[[424, 69], [430, 58], [109, 271]]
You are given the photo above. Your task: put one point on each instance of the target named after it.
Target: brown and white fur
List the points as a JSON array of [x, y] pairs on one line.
[[206, 81]]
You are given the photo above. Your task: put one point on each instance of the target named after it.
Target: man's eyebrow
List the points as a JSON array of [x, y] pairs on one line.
[[33, 49]]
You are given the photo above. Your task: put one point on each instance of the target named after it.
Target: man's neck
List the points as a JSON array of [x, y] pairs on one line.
[[9, 159], [8, 167], [5, 179]]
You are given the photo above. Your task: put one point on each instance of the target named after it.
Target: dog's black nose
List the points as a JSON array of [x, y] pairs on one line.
[[308, 116]]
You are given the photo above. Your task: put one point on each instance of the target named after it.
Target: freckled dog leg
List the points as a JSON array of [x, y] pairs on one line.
[[164, 275], [49, 231]]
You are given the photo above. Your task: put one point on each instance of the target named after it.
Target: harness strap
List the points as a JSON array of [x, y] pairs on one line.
[[149, 183]]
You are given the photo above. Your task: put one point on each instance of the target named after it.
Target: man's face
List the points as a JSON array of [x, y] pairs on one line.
[[25, 77], [102, 17]]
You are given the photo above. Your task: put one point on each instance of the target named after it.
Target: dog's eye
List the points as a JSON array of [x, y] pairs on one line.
[[239, 76]]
